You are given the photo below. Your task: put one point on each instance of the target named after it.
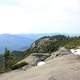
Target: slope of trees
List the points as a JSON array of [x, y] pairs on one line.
[[54, 42]]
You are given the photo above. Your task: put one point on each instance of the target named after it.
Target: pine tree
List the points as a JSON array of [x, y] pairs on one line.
[[8, 60]]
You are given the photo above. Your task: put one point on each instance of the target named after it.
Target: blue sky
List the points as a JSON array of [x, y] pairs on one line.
[[39, 16]]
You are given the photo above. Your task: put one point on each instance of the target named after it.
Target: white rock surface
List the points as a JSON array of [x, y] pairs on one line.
[[40, 63], [75, 51]]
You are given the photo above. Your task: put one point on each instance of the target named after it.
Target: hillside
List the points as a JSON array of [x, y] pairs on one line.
[[52, 43], [61, 68]]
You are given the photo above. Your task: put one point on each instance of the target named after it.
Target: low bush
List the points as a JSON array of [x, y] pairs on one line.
[[19, 65]]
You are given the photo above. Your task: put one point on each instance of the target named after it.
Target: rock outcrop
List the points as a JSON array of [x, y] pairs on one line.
[[66, 67]]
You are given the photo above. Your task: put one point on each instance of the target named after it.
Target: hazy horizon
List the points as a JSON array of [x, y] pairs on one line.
[[39, 16], [39, 34]]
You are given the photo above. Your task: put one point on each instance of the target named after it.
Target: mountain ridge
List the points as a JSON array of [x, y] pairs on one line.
[[14, 42]]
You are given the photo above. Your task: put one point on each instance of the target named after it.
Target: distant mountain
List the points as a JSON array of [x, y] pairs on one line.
[[14, 42]]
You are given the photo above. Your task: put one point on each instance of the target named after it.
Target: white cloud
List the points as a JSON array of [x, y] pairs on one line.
[[7, 2], [14, 20], [40, 16]]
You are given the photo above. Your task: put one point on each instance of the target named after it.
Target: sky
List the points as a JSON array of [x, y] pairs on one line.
[[39, 16]]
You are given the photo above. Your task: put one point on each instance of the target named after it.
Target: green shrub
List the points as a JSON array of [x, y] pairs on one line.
[[19, 65]]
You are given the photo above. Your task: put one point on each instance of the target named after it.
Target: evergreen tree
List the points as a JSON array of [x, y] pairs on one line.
[[8, 60]]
